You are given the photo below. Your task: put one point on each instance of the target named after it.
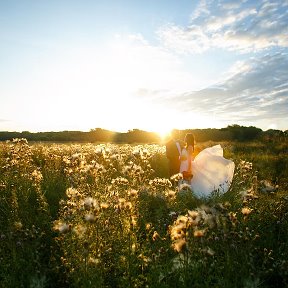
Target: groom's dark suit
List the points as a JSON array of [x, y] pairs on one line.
[[173, 152]]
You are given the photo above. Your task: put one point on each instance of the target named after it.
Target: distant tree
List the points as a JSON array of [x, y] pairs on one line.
[[242, 133], [140, 136], [101, 135], [273, 135]]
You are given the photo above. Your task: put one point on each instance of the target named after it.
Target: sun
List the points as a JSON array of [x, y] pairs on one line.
[[164, 133]]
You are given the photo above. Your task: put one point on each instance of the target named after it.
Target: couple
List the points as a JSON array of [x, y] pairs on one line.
[[209, 171]]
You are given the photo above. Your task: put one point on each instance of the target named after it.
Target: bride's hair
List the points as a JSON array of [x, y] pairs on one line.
[[189, 139]]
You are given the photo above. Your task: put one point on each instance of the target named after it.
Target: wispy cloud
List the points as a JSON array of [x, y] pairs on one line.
[[244, 26], [258, 91]]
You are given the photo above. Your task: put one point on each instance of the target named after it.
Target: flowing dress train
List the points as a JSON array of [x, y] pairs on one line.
[[211, 172]]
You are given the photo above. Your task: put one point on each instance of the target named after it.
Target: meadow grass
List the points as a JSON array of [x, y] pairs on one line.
[[85, 215]]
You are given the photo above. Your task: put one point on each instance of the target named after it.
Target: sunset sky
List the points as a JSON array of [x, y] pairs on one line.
[[152, 64]]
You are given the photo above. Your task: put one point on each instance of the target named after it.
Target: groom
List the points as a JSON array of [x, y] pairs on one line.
[[173, 152]]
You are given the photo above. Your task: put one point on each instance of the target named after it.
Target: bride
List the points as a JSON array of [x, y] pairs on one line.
[[208, 172]]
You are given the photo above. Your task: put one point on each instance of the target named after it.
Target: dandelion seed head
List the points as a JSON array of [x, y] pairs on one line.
[[209, 251], [61, 227], [136, 152], [90, 203], [99, 151], [90, 217], [184, 187]]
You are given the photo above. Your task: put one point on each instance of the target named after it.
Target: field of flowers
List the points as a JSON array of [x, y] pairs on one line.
[[95, 215]]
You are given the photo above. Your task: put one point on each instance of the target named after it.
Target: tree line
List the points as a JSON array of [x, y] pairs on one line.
[[230, 133]]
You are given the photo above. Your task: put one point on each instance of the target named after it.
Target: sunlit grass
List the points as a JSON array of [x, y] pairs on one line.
[[108, 216]]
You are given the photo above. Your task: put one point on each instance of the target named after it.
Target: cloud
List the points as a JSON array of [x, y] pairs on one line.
[[247, 26], [258, 91]]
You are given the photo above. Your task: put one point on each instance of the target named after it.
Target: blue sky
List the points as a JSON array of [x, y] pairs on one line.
[[152, 65]]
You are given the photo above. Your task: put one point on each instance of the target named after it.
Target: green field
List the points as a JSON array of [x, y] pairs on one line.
[[106, 215]]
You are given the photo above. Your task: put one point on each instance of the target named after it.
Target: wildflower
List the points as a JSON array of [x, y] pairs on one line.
[[99, 168], [120, 181], [136, 152], [93, 261], [162, 182], [133, 247], [176, 177], [89, 203], [99, 151], [179, 245], [148, 226], [132, 192], [61, 227], [178, 232], [144, 258], [209, 251], [199, 233], [90, 217], [193, 218], [114, 157], [182, 219], [207, 210], [37, 175], [121, 203], [211, 221], [137, 169], [20, 140], [193, 214], [173, 215], [232, 217], [72, 192], [128, 205], [267, 186], [18, 225], [243, 194], [184, 186], [133, 221], [171, 194], [246, 211], [79, 230], [122, 259], [104, 205], [155, 236], [71, 204], [145, 152]]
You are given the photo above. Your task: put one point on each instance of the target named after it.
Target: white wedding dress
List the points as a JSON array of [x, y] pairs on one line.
[[211, 171]]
